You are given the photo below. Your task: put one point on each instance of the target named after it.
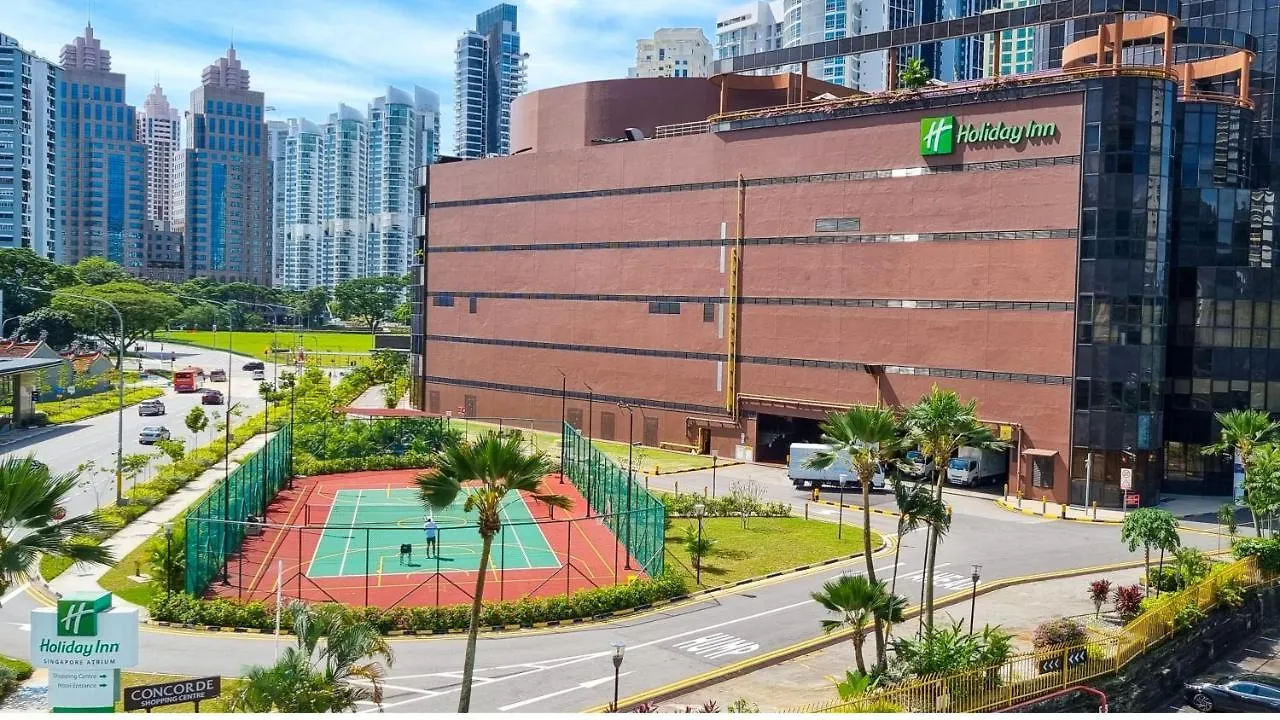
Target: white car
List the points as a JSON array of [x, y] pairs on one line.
[[259, 375], [152, 434]]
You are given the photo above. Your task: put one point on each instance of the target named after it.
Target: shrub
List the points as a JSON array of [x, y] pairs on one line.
[[742, 705], [1189, 614], [681, 505], [1058, 631], [1229, 594], [1128, 601], [1099, 591], [308, 466], [1191, 565], [9, 682], [21, 669], [1267, 550], [1164, 579]]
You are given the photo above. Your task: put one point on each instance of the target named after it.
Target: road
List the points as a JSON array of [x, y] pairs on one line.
[[65, 447]]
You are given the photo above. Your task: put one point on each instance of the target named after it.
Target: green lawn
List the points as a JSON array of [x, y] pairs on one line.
[[117, 579], [258, 344], [77, 409], [765, 546], [217, 705]]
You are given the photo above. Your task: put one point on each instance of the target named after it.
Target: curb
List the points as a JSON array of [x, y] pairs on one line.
[[876, 511], [1002, 503], [805, 647], [721, 464], [885, 544]]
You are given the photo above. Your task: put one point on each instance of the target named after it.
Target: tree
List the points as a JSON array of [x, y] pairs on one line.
[[1150, 528], [196, 421], [915, 75], [915, 505], [869, 437], [859, 602], [59, 326], [939, 425], [1262, 485], [31, 500], [1241, 432], [312, 305], [144, 311], [99, 271], [697, 546], [21, 267], [200, 315], [321, 672], [368, 300], [174, 448], [388, 365], [493, 466]]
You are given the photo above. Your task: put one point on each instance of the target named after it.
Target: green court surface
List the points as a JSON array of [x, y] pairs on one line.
[[365, 529]]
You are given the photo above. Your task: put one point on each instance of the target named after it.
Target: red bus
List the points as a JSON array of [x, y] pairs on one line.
[[186, 380]]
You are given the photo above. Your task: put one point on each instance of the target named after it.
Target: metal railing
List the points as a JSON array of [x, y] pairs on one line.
[[1031, 675], [680, 129]]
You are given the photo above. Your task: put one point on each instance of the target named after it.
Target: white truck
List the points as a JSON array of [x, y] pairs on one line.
[[917, 465], [972, 466], [803, 477]]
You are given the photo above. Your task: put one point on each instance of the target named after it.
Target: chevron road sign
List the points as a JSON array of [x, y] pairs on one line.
[[1054, 664]]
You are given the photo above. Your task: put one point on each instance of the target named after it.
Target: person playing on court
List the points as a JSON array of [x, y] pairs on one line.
[[406, 550], [431, 531]]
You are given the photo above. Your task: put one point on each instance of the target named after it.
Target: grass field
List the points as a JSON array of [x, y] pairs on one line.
[[217, 705], [76, 409], [258, 344], [764, 546]]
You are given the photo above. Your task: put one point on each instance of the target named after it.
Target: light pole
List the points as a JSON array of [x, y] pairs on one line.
[[564, 396], [290, 380], [619, 650], [976, 575], [590, 419], [7, 321], [699, 509], [168, 559], [844, 477], [631, 443], [120, 371]]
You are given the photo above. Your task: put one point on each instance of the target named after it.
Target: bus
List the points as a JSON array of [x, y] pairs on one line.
[[186, 380]]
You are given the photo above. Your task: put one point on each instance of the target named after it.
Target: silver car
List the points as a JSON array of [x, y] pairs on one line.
[[152, 434]]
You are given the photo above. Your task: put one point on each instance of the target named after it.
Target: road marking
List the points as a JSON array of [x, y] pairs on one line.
[[864, 572], [347, 550], [718, 645], [14, 593], [580, 686]]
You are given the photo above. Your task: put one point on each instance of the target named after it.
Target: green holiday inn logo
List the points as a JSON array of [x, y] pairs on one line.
[[78, 614], [939, 135]]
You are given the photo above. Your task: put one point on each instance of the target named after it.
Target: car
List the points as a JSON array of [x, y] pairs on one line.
[[152, 434], [259, 375], [211, 397], [218, 376], [254, 365], [148, 408], [1235, 693]]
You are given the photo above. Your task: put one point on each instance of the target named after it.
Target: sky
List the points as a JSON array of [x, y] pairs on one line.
[[310, 55]]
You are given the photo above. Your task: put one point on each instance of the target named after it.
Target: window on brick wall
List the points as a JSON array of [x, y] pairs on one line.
[[708, 312], [664, 308], [433, 401]]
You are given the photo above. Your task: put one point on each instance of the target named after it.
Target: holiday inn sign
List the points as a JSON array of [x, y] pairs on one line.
[[84, 642], [940, 135]]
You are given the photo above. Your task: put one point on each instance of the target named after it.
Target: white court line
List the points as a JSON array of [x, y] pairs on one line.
[[519, 544], [580, 686], [351, 532]]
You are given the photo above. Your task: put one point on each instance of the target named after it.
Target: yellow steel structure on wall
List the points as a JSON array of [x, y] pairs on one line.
[[735, 299], [1019, 679]]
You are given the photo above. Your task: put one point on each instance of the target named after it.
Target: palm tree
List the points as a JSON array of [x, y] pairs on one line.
[[859, 601], [940, 424], [914, 501], [869, 436], [1242, 432], [312, 677], [496, 465], [936, 516], [1262, 485], [915, 75], [32, 503], [1150, 528]]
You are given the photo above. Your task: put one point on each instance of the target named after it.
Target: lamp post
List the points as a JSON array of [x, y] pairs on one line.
[[699, 509], [564, 396], [120, 370], [976, 575], [844, 477], [591, 393], [291, 381], [631, 443], [619, 650], [7, 321], [168, 559]]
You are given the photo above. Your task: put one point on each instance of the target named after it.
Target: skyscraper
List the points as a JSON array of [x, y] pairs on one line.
[[298, 179], [673, 52], [160, 131], [29, 135], [222, 204], [1011, 52], [102, 165], [490, 73], [395, 138], [762, 26], [346, 196]]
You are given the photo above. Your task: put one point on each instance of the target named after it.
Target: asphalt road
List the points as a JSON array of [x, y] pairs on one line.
[[65, 447]]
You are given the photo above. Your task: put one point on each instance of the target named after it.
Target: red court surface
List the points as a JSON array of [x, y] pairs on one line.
[[579, 552]]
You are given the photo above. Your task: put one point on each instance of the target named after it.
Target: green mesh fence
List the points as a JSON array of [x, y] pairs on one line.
[[636, 517], [216, 525]]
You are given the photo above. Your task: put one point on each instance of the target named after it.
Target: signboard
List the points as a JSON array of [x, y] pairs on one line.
[[1054, 664], [1006, 432], [84, 641], [1126, 478], [145, 697], [1237, 486], [1132, 500], [940, 135]]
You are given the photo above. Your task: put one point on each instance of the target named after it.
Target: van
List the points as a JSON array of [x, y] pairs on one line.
[[803, 477]]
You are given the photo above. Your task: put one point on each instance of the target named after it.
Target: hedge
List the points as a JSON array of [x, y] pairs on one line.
[[1267, 550], [585, 604], [305, 465], [681, 505]]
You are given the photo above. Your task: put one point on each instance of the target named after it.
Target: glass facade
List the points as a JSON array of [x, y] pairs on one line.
[[489, 75]]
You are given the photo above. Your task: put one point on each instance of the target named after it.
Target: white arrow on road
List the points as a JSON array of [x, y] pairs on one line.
[[580, 686]]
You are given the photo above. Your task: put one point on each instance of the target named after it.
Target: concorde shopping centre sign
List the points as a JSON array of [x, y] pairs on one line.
[[941, 135], [84, 642]]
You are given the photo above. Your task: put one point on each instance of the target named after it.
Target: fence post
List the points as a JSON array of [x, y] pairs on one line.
[[568, 564], [299, 583], [366, 567], [502, 569]]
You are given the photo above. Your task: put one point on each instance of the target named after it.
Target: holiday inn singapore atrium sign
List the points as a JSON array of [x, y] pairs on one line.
[[84, 642], [940, 135]]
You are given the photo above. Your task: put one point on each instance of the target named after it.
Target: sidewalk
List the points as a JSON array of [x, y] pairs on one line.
[[806, 680], [85, 577]]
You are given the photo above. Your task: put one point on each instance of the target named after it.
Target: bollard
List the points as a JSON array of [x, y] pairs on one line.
[[1095, 509], [1044, 506], [705, 491], [657, 470], [806, 511], [677, 487], [1063, 510], [1019, 499], [1006, 490]]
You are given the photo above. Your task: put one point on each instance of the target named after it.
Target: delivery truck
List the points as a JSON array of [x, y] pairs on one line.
[[972, 466], [804, 478]]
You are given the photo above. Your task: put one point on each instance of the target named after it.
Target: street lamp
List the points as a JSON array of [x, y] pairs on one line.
[[699, 509], [619, 650], [844, 478], [168, 559], [590, 465], [120, 370], [7, 321], [564, 396], [976, 575], [631, 443], [291, 381]]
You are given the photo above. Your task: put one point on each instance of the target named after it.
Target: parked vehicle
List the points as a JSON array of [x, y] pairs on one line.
[[211, 397], [972, 466], [805, 477], [186, 380], [917, 465], [218, 376], [259, 375], [152, 434], [1239, 693], [254, 365], [149, 408]]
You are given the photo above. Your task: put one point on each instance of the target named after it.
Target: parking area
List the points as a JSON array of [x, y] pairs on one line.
[[1258, 656]]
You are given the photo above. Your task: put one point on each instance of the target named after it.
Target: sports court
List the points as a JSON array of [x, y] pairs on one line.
[[337, 538]]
